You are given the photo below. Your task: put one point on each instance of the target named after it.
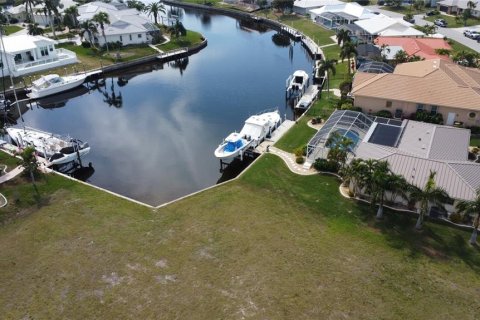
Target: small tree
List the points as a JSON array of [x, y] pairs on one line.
[[29, 162], [471, 207]]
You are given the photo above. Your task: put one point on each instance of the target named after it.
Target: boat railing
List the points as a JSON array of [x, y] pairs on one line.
[[268, 110], [58, 136]]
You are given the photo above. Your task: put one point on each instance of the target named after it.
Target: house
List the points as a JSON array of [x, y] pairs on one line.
[[24, 54], [433, 86], [304, 6], [422, 47], [381, 25], [40, 15], [336, 15], [126, 26], [411, 148], [456, 7]]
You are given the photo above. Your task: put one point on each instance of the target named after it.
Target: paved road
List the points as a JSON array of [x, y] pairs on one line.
[[452, 33]]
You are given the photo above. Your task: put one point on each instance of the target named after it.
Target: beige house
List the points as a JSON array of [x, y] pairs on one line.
[[434, 86]]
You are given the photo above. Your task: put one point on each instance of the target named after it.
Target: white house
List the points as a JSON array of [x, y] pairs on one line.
[[381, 25], [456, 7], [304, 6], [126, 26], [25, 54], [333, 16], [39, 15]]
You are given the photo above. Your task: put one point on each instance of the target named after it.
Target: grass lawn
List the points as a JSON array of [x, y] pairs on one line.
[[405, 9], [452, 23], [475, 141], [272, 245], [11, 29], [458, 47], [301, 133], [190, 39]]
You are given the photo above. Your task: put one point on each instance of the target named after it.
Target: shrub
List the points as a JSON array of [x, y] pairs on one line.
[[86, 44], [325, 165], [299, 152], [345, 88], [317, 120], [474, 129], [455, 217], [428, 117], [300, 159], [13, 20], [472, 156], [475, 150], [384, 114]]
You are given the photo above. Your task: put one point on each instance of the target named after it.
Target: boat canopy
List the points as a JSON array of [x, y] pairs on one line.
[[232, 146]]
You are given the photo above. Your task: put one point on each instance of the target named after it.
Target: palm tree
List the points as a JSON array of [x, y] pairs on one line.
[[347, 51], [424, 197], [34, 29], [89, 28], [72, 12], [102, 19], [52, 8], [342, 36], [325, 67], [29, 162], [339, 146], [154, 9], [29, 4], [471, 207], [380, 185]]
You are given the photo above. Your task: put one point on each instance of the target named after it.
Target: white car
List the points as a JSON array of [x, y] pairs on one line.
[[472, 34]]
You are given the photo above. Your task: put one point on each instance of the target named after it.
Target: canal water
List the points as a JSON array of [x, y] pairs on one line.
[[152, 134]]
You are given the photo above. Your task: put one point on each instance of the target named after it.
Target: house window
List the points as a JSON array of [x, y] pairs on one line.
[[388, 104], [420, 107], [130, 37], [121, 39], [50, 48], [44, 51], [139, 35], [472, 115], [433, 109]]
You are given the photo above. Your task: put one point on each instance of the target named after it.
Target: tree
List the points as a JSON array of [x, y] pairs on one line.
[[347, 51], [325, 67], [178, 29], [352, 174], [380, 184], [34, 29], [154, 9], [89, 28], [430, 194], [471, 207], [282, 5], [135, 4], [102, 19], [342, 36], [29, 162], [339, 146], [72, 14], [428, 29], [466, 58], [51, 7], [419, 5], [29, 4]]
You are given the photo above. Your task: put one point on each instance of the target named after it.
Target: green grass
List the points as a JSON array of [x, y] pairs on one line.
[[11, 29], [299, 135], [475, 141], [190, 39], [405, 9], [458, 47], [452, 22], [272, 245]]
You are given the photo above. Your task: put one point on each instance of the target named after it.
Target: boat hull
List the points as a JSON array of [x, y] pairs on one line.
[[70, 83]]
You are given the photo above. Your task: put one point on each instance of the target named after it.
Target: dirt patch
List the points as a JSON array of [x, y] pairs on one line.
[[162, 263], [433, 253]]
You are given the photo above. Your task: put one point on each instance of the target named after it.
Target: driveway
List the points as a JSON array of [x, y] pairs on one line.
[[452, 33]]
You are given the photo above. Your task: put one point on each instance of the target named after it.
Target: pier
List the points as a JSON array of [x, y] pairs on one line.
[[308, 98]]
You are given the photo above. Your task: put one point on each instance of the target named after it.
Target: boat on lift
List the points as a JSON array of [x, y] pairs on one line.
[[53, 148], [297, 83], [256, 129], [53, 84]]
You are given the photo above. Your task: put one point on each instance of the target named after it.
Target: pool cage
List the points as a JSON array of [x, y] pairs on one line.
[[348, 123]]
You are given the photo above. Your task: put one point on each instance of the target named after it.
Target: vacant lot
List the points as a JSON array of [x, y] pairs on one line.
[[269, 246]]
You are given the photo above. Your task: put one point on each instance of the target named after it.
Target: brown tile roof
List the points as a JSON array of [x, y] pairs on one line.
[[433, 82], [422, 47]]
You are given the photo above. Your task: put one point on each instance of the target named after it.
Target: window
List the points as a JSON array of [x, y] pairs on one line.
[[130, 37], [44, 51], [472, 115], [433, 109], [420, 107], [139, 35], [388, 104], [50, 48], [121, 39]]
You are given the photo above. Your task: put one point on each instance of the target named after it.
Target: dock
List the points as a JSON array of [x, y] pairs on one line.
[[173, 53], [276, 135], [308, 97]]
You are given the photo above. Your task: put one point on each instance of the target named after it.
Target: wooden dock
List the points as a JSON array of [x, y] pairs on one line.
[[308, 98], [276, 135]]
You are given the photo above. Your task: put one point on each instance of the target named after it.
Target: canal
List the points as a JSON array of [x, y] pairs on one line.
[[153, 133]]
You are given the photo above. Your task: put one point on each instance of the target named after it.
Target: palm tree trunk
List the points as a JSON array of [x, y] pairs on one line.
[[33, 183], [106, 43], [473, 238], [380, 212], [419, 224]]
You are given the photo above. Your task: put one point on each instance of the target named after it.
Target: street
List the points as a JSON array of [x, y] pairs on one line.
[[451, 33]]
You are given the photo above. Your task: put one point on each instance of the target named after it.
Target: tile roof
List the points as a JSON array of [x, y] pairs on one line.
[[433, 82], [422, 47]]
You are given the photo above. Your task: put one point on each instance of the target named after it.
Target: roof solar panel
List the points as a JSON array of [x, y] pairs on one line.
[[385, 135]]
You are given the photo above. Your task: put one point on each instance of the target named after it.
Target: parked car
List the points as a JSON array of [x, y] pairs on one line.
[[431, 13], [472, 34], [409, 19], [440, 23]]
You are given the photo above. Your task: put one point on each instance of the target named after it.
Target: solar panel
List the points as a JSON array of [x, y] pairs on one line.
[[385, 135]]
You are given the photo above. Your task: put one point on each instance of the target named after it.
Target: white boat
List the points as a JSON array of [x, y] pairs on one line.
[[53, 148], [255, 130], [297, 83], [53, 83]]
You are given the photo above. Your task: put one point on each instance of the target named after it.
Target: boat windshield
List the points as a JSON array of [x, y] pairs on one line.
[[298, 79], [233, 145]]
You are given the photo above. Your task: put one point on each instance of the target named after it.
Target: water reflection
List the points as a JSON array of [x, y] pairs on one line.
[[180, 64]]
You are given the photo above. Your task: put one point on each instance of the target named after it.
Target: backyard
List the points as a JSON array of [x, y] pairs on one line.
[[272, 245]]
